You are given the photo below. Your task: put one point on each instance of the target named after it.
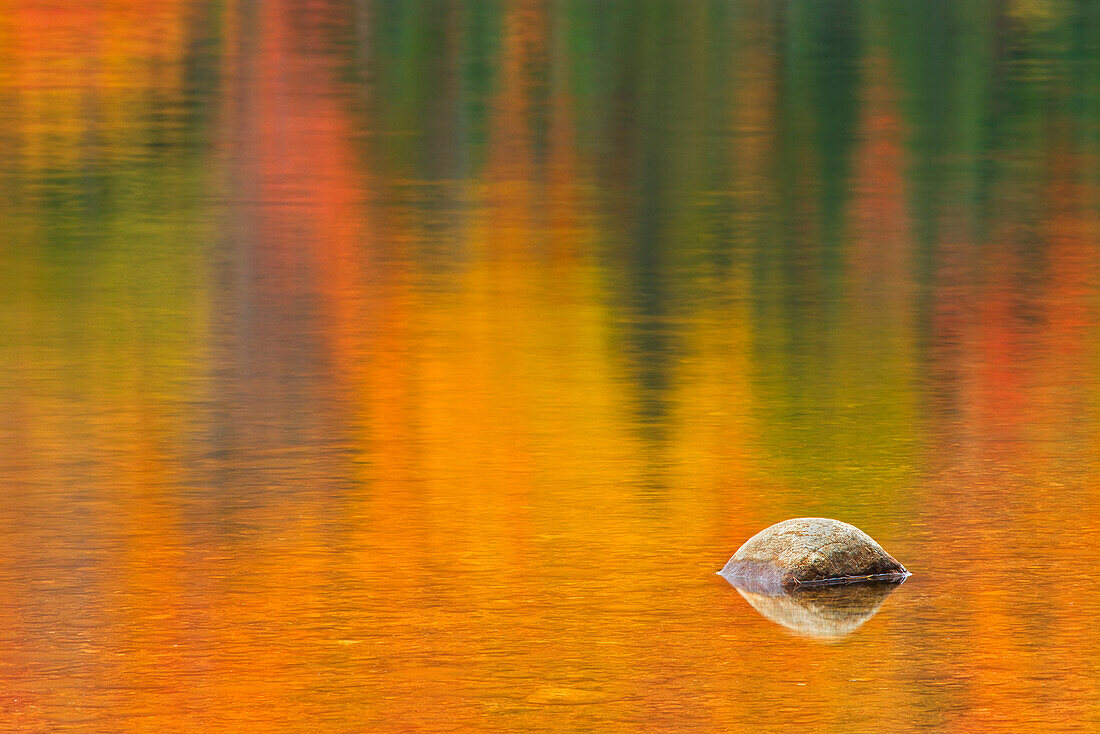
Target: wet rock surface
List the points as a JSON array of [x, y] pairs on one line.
[[810, 551]]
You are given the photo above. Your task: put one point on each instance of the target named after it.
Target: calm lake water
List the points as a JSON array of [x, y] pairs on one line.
[[413, 366]]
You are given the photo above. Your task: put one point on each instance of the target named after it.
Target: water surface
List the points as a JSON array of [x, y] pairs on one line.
[[412, 367]]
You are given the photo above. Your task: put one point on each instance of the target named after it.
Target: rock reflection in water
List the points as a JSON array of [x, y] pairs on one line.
[[822, 612]]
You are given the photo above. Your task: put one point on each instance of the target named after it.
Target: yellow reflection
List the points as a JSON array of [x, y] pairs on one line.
[[332, 446], [826, 613]]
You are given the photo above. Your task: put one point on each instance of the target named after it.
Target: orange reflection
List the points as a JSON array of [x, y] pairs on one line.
[[349, 420]]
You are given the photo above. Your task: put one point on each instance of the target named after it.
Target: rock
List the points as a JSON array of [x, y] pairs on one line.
[[809, 551], [823, 612]]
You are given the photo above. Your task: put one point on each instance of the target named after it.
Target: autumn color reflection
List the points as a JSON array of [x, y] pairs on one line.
[[376, 366]]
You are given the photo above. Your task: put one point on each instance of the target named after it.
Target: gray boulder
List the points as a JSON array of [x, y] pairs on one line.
[[809, 551]]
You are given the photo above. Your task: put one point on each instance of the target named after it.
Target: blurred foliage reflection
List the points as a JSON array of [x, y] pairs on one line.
[[411, 366]]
